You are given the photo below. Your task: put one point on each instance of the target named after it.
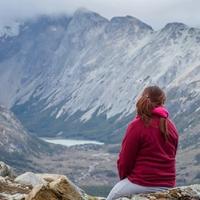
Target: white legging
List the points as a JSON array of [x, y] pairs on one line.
[[125, 188]]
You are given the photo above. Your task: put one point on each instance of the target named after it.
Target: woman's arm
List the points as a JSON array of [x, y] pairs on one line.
[[129, 150]]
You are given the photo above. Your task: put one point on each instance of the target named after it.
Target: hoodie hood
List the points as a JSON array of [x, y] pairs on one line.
[[161, 111]]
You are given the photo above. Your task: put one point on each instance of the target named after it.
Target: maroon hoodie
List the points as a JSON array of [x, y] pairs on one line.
[[145, 157]]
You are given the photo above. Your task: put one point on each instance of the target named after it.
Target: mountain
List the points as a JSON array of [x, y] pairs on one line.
[[17, 147], [79, 76]]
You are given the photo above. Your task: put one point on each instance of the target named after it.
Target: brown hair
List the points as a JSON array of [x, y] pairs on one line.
[[152, 97]]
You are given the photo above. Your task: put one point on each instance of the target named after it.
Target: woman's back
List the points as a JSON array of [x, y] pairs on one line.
[[155, 160]]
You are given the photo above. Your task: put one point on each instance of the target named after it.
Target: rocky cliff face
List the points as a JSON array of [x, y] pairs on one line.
[[64, 75]]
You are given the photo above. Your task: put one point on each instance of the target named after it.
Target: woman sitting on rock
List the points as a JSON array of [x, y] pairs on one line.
[[146, 161]]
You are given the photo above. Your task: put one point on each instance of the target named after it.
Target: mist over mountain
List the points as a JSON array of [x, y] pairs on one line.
[[79, 76]]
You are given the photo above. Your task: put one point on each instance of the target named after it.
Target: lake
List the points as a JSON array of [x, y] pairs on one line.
[[70, 142]]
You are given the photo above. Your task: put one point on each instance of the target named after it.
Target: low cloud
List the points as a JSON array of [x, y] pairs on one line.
[[154, 12]]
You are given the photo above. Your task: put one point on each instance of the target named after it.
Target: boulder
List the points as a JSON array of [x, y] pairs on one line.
[[6, 170], [30, 178], [63, 186], [55, 189]]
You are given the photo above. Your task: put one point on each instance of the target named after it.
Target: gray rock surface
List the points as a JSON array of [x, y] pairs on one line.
[[6, 170], [30, 178]]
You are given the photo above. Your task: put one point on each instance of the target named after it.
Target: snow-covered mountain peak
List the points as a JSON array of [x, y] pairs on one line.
[[132, 24], [86, 16], [82, 10], [175, 27], [173, 32], [137, 22], [128, 27], [84, 21]]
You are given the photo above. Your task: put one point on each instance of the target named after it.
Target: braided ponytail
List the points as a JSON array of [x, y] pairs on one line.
[[144, 108]]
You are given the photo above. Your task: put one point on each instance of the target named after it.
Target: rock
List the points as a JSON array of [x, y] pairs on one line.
[[9, 190], [180, 193], [56, 189], [64, 187], [137, 198], [30, 178], [2, 180], [41, 192], [53, 177], [12, 197], [6, 170], [50, 177]]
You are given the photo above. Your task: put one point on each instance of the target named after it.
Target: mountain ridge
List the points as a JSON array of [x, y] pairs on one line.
[[82, 77]]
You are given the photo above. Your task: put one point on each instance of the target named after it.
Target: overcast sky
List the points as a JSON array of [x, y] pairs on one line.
[[154, 12]]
